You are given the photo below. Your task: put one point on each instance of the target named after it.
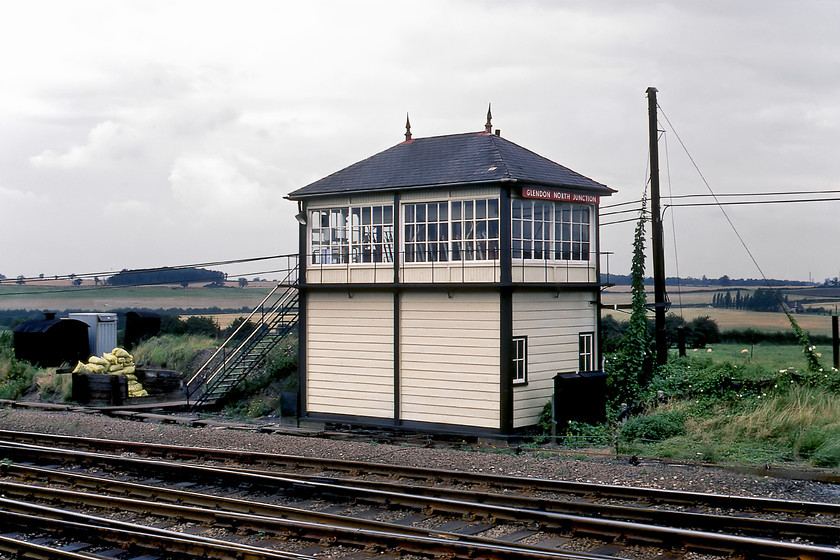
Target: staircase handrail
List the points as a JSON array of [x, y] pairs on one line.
[[285, 282], [244, 346]]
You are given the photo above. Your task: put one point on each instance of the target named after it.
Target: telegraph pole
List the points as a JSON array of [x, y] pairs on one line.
[[658, 250]]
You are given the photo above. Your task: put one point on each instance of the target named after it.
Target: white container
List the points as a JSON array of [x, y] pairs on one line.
[[102, 331]]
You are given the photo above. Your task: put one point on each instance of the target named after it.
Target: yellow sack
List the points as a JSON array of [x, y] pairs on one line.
[[110, 357], [128, 369], [115, 368], [97, 368], [121, 353], [98, 360], [80, 368]]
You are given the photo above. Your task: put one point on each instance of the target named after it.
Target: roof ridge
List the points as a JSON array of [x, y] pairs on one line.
[[498, 152]]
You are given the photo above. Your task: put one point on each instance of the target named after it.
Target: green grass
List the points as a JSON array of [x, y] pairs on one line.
[[794, 427], [171, 351], [769, 356]]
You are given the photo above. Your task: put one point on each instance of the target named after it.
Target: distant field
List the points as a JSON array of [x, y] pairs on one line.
[[98, 298], [696, 304]]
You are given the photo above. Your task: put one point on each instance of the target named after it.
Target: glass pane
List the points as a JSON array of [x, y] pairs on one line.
[[517, 209], [433, 208], [456, 211], [409, 213], [493, 229], [442, 211], [421, 212], [480, 209], [493, 208], [366, 215], [468, 209], [377, 214]]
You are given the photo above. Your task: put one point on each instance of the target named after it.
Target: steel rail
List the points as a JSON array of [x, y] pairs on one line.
[[666, 537], [589, 490], [816, 533], [363, 538], [131, 490], [78, 525], [34, 551]]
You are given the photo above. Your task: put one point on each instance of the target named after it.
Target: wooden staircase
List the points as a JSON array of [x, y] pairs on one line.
[[245, 351]]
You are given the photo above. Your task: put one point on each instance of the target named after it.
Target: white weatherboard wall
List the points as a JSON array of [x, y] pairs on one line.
[[449, 357], [350, 354], [552, 325]]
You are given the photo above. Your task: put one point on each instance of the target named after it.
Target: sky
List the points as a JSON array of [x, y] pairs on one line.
[[164, 133]]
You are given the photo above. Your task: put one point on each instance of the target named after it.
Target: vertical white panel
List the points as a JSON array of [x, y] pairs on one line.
[[350, 354], [552, 325], [449, 356]]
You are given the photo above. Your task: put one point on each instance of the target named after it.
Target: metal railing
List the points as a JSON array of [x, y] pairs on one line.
[[440, 269], [274, 318]]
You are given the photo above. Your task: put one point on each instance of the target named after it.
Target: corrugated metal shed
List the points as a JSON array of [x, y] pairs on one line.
[[102, 332]]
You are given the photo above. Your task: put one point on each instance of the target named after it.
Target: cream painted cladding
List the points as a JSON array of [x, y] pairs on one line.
[[449, 356], [350, 353], [552, 325]]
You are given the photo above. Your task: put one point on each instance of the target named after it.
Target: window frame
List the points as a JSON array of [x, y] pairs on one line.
[[543, 230], [359, 234], [451, 230], [519, 360], [586, 351]]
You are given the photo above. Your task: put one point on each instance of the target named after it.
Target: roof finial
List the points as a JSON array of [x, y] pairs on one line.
[[488, 128], [407, 128]]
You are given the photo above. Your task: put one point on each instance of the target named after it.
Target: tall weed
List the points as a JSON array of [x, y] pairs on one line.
[[171, 351], [16, 377]]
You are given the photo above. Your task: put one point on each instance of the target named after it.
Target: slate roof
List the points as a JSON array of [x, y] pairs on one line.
[[457, 159]]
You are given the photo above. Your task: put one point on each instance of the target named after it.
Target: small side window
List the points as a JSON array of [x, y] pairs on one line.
[[586, 352], [519, 358]]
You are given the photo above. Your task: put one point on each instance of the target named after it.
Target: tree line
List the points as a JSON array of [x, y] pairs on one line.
[[762, 299]]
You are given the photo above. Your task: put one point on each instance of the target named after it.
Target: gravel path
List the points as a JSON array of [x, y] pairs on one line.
[[531, 463]]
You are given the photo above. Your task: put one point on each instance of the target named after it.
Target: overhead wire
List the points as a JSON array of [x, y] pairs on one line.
[[717, 200], [104, 286], [48, 278], [673, 224]]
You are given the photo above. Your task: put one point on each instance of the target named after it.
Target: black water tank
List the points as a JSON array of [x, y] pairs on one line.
[[51, 342], [140, 325], [580, 396]]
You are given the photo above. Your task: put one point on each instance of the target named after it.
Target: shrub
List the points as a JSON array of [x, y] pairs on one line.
[[16, 377], [655, 427]]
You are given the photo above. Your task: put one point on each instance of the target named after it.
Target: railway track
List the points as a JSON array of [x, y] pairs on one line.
[[325, 505]]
